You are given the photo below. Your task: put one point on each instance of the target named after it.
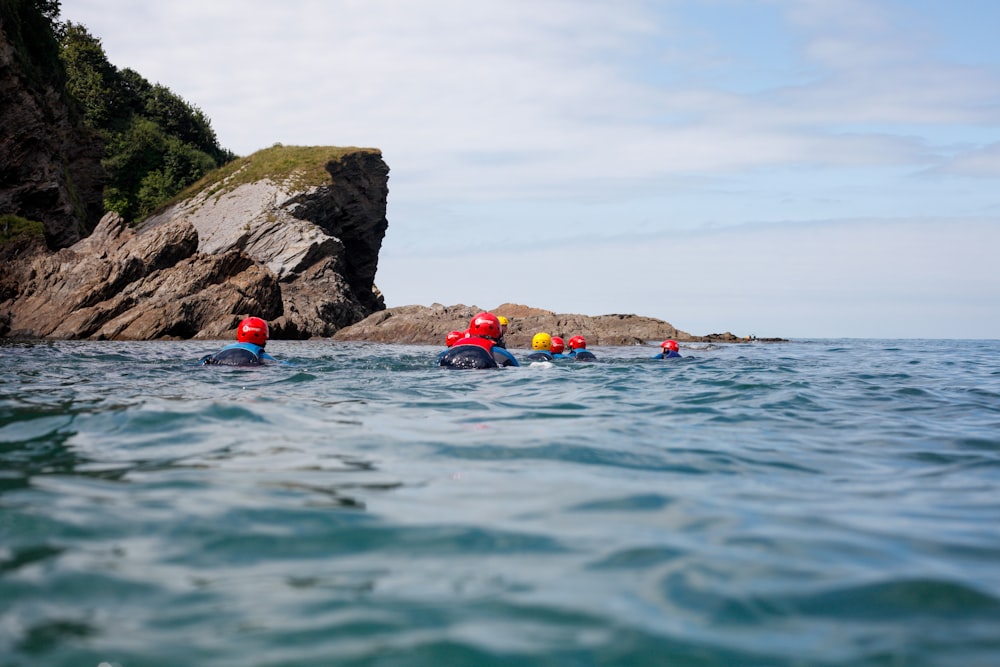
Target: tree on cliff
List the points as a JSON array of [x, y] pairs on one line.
[[32, 28], [157, 144]]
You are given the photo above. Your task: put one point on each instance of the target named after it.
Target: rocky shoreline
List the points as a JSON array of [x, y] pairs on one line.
[[302, 255], [428, 325]]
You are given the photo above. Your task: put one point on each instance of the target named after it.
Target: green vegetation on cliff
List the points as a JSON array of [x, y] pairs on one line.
[[32, 28], [13, 227], [156, 143]]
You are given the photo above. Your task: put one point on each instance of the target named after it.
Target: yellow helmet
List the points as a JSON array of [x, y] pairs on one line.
[[541, 341], [503, 321]]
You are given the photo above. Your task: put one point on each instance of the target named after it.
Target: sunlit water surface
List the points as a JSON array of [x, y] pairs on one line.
[[825, 502]]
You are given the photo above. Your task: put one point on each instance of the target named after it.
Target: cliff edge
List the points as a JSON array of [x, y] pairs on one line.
[[290, 234]]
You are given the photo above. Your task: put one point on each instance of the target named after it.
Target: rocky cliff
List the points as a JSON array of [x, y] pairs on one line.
[[50, 164], [430, 325], [290, 234]]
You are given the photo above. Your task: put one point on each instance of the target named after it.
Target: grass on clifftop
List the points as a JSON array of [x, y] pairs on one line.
[[300, 166]]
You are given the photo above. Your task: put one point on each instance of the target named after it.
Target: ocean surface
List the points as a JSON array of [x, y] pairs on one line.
[[817, 502]]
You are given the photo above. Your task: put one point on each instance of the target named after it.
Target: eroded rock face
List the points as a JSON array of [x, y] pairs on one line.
[[50, 165], [118, 284], [359, 183], [195, 269], [431, 324]]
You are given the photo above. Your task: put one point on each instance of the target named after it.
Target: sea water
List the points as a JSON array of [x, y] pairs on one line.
[[817, 502]]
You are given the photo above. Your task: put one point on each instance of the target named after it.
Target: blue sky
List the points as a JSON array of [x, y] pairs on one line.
[[796, 168]]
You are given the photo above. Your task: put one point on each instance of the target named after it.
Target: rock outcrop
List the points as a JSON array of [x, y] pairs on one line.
[[301, 256], [50, 164], [430, 324]]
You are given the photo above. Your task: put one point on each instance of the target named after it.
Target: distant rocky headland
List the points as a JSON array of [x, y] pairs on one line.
[[430, 324]]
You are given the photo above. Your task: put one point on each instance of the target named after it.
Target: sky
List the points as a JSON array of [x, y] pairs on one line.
[[774, 168]]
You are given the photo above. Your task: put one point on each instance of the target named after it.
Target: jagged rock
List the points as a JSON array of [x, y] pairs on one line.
[[358, 193], [119, 284], [321, 241], [263, 248], [430, 324]]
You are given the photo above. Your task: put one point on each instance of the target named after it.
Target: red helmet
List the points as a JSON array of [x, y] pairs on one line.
[[252, 330], [453, 336], [557, 345], [486, 325], [577, 343], [669, 345]]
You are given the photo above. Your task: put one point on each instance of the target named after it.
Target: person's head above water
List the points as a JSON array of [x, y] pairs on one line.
[[253, 330], [485, 325], [541, 341], [577, 343], [453, 336], [670, 345], [558, 345], [503, 324]]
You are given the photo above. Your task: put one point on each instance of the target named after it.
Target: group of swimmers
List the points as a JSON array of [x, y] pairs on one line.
[[549, 348], [482, 345]]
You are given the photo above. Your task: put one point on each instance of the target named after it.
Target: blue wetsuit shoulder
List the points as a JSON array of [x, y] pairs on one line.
[[256, 349], [503, 357]]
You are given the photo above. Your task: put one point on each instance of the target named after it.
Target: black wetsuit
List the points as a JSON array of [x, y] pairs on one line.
[[237, 354], [476, 352]]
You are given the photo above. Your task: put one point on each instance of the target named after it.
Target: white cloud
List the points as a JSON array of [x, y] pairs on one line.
[[448, 79]]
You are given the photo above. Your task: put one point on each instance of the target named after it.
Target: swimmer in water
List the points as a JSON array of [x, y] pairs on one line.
[[578, 349], [504, 322], [248, 350], [449, 340], [558, 345], [668, 350], [541, 346], [479, 348]]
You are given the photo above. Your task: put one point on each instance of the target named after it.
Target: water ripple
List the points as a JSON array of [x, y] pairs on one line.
[[825, 503]]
